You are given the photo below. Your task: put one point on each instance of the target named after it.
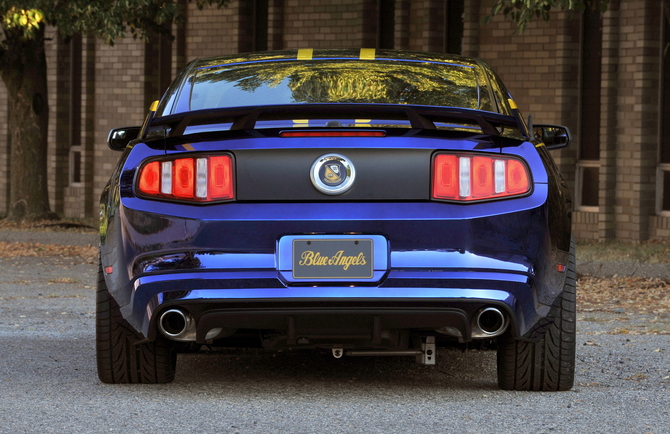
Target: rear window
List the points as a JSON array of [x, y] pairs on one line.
[[339, 81]]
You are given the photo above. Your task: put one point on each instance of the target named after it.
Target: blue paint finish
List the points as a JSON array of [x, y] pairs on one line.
[[219, 288], [427, 254]]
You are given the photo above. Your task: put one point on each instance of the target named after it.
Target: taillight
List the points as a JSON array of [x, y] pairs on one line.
[[201, 179], [467, 177]]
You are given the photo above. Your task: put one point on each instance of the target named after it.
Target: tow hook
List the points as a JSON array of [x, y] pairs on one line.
[[424, 356], [428, 351]]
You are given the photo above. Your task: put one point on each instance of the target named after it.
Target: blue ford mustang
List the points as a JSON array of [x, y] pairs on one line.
[[364, 202]]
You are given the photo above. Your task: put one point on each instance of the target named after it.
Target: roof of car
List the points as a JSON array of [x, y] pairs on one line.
[[317, 54]]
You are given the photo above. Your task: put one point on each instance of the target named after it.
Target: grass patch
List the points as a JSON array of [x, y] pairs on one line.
[[15, 250], [623, 295], [652, 252], [87, 225], [63, 280]]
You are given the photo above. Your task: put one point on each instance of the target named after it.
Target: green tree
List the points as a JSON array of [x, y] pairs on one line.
[[523, 12], [23, 70]]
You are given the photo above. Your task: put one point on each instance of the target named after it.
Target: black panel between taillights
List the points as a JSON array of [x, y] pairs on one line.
[[381, 174]]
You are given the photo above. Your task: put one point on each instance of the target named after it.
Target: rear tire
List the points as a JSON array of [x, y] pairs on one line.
[[549, 364], [120, 358]]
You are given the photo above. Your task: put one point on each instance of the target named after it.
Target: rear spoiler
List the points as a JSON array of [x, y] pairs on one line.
[[245, 118]]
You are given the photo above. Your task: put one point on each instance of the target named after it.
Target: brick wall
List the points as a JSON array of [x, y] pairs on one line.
[[55, 157], [608, 122], [335, 24], [637, 120], [276, 24], [541, 69], [426, 27], [660, 228], [585, 225], [402, 20], [4, 152], [212, 31], [471, 26], [119, 100], [80, 199]]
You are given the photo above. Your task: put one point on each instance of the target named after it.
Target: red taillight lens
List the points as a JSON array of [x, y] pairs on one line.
[[445, 182], [202, 179], [183, 182], [465, 177], [482, 177], [150, 178], [517, 177], [220, 178]]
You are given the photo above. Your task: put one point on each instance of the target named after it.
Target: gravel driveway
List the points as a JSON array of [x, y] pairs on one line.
[[48, 379]]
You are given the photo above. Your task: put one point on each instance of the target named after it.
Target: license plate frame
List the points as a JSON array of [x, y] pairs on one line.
[[332, 258]]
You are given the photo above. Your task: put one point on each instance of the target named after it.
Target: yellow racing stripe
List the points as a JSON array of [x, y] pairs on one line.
[[368, 54], [305, 53]]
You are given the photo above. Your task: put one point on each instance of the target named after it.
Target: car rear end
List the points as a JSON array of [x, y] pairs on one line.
[[361, 228]]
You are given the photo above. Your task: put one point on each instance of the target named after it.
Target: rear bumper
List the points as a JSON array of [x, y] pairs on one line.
[[444, 263], [405, 299]]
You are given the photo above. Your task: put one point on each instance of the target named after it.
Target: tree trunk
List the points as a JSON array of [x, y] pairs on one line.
[[25, 76]]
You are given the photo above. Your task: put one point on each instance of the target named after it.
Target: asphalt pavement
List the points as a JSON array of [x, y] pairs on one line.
[[49, 384]]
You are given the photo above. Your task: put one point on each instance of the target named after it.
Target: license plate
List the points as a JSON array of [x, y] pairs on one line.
[[350, 258]]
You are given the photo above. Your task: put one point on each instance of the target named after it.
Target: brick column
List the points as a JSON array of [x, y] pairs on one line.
[[4, 151], [319, 24], [638, 118], [276, 25], [81, 199], [426, 25], [91, 196], [608, 122], [212, 31], [119, 99], [58, 60], [402, 15], [471, 26]]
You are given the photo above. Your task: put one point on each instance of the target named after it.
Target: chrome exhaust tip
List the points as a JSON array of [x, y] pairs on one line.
[[177, 325], [489, 322]]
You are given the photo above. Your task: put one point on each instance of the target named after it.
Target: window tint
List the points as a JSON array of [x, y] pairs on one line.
[[339, 81]]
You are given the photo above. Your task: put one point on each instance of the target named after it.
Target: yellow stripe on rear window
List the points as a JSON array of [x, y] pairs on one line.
[[305, 53], [512, 104]]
